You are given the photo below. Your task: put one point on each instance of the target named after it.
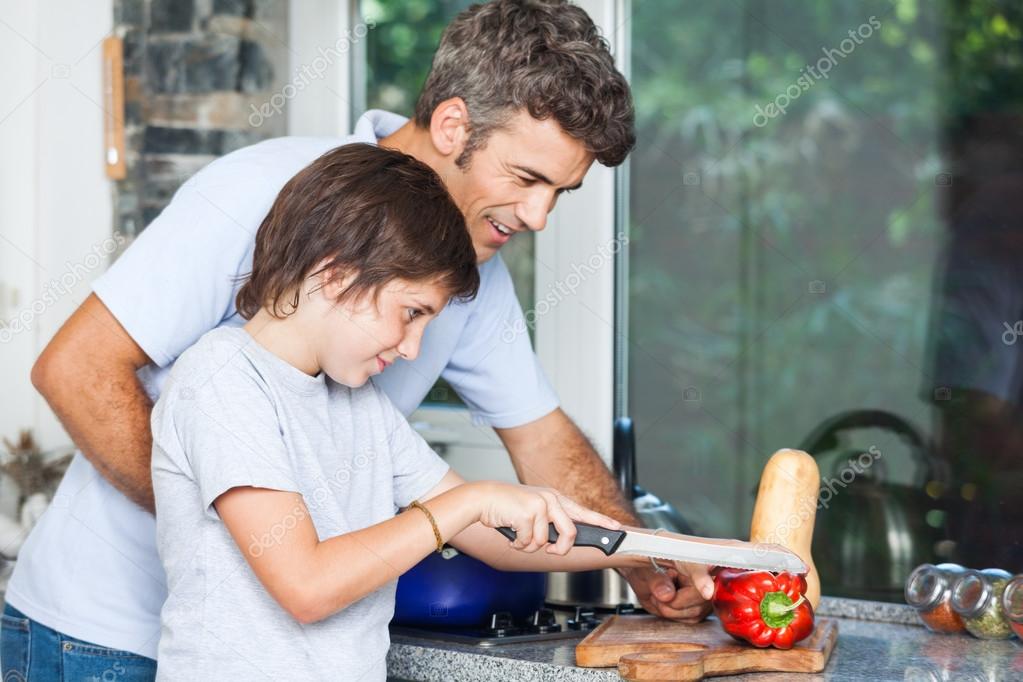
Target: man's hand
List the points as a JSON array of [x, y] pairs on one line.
[[671, 594]]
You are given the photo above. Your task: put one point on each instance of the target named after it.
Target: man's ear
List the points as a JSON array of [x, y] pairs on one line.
[[449, 127]]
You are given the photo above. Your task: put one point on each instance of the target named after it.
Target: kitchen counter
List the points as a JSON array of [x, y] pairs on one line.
[[875, 641]]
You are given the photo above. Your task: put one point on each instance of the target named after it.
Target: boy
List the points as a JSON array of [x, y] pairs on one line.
[[278, 467]]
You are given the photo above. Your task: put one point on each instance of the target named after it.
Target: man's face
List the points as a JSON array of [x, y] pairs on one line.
[[514, 181]]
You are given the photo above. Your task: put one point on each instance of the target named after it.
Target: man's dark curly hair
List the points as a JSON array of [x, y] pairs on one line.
[[544, 56]]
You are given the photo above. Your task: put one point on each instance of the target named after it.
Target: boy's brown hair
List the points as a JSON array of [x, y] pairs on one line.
[[374, 212]]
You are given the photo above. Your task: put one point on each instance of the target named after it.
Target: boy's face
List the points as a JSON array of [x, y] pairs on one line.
[[514, 181], [362, 337]]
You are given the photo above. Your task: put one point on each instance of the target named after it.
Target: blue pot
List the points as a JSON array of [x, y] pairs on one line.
[[456, 590]]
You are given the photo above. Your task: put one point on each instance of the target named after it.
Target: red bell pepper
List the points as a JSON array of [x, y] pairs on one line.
[[763, 608]]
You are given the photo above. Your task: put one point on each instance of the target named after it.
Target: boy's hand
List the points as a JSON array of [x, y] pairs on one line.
[[529, 509]]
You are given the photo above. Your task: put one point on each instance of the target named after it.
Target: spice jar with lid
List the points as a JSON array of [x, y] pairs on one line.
[[929, 591], [977, 598], [1012, 604]]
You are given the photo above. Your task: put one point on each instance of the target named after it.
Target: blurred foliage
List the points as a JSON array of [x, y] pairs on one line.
[[400, 47], [785, 269]]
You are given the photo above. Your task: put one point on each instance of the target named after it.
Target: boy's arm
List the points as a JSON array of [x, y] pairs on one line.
[[489, 546], [312, 579]]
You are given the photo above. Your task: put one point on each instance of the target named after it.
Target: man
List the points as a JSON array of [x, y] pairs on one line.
[[521, 99]]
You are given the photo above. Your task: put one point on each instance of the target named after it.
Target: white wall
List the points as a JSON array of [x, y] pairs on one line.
[[55, 201]]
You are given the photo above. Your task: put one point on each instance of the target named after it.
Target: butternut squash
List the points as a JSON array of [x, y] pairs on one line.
[[786, 509]]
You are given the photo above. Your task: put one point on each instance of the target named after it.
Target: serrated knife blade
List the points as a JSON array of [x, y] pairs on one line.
[[678, 547], [712, 551]]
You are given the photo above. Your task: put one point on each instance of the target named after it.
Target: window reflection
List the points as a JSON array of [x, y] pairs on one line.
[[824, 249], [978, 354]]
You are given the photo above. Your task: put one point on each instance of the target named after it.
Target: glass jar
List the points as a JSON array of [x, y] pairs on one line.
[[977, 598], [929, 591], [1012, 604]]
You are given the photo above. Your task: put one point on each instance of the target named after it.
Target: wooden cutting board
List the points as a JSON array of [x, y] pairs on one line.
[[646, 647]]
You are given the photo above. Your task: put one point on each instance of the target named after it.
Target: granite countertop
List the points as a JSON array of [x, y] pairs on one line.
[[875, 641]]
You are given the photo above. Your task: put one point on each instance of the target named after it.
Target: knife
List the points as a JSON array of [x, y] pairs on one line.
[[677, 547]]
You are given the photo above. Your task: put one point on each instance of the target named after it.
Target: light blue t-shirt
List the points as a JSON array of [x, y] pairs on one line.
[[90, 568], [234, 414]]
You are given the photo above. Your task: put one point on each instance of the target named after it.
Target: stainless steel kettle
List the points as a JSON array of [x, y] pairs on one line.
[[607, 589], [870, 531]]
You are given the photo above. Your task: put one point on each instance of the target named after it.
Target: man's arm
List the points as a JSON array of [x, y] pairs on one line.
[[87, 376], [553, 452]]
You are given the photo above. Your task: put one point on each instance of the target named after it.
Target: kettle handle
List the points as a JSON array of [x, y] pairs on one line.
[[825, 437], [623, 457]]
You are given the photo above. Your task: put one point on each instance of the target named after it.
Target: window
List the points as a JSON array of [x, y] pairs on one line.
[[398, 53], [824, 253]]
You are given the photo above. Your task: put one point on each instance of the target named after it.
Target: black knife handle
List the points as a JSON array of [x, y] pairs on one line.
[[586, 535]]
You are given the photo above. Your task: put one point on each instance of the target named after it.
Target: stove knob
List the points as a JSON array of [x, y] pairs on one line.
[[585, 619], [501, 624], [543, 621], [625, 608]]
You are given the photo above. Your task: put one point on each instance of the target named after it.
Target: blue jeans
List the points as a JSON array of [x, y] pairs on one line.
[[30, 651]]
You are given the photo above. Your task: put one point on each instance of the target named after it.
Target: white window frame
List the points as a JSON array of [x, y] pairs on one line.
[[319, 43], [574, 335]]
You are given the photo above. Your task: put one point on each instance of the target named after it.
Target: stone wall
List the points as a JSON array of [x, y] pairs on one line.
[[194, 70]]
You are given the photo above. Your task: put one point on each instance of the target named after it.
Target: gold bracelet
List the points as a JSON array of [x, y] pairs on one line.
[[433, 522]]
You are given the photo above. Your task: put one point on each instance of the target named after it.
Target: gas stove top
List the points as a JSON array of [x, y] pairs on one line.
[[548, 623]]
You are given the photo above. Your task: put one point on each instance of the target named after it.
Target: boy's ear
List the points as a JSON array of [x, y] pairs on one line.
[[330, 282], [449, 127]]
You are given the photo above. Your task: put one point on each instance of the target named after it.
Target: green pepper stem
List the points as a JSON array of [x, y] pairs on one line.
[[776, 609], [791, 607]]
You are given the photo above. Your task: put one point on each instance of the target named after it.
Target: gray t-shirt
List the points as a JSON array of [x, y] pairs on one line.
[[234, 414]]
